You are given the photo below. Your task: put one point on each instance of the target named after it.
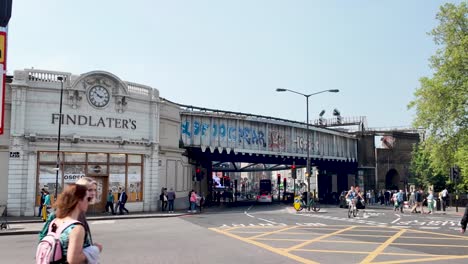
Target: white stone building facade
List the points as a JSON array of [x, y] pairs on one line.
[[120, 133]]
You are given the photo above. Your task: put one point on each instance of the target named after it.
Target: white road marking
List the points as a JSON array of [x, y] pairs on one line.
[[398, 215], [429, 227], [102, 222], [396, 220], [268, 221], [247, 214]]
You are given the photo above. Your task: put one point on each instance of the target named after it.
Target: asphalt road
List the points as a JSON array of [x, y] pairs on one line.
[[271, 234]]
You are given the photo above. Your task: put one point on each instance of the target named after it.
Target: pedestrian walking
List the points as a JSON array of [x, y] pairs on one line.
[[399, 201], [444, 195], [193, 202], [91, 186], [412, 200], [464, 220], [163, 199], [110, 202], [387, 197], [76, 247], [122, 201], [418, 202], [41, 203], [189, 202], [170, 200], [430, 202], [46, 206]]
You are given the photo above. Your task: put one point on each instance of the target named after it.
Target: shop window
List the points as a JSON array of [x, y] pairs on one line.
[[97, 157], [116, 179], [71, 157], [72, 173], [97, 169], [134, 184], [134, 158], [117, 158], [124, 171], [49, 157], [47, 178]]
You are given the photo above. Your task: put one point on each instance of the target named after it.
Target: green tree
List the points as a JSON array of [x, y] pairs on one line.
[[423, 174], [441, 102]]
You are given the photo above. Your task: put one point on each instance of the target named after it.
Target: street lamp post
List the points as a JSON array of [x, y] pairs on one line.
[[307, 132], [57, 168]]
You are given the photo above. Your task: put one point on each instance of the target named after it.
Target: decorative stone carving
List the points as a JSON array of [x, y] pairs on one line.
[[120, 103], [75, 97]]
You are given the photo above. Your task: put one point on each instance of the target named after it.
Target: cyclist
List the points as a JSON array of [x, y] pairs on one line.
[[359, 198], [350, 196]]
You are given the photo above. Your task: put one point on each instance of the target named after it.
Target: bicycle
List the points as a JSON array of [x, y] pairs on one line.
[[352, 209], [300, 204]]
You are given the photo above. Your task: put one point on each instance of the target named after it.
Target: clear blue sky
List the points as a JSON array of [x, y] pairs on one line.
[[231, 55]]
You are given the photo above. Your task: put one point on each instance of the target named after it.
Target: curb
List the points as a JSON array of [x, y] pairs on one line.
[[92, 218], [108, 217]]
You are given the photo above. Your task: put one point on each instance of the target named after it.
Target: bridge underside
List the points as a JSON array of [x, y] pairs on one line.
[[334, 176]]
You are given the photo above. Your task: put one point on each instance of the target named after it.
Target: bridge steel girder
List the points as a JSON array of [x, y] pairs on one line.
[[247, 135]]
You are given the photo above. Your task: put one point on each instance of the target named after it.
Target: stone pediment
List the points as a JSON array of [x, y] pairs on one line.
[[109, 80], [80, 87]]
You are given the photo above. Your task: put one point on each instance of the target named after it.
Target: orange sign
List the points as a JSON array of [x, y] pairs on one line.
[[2, 47]]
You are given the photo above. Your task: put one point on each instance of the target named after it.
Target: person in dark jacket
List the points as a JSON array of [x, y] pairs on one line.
[[42, 202], [464, 220], [122, 201]]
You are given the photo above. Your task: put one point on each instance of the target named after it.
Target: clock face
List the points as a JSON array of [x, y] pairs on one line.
[[98, 96]]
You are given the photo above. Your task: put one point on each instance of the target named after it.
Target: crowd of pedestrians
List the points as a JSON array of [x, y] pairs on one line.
[[416, 200]]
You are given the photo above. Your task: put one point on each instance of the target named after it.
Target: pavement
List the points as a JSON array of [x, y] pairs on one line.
[[27, 225]]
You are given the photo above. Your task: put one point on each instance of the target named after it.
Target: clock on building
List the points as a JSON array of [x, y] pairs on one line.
[[98, 96]]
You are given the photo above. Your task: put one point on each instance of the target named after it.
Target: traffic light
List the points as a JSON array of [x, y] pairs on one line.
[[456, 173], [293, 171], [278, 179], [198, 174], [285, 184]]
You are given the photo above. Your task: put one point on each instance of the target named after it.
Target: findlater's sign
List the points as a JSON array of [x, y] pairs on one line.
[[92, 121]]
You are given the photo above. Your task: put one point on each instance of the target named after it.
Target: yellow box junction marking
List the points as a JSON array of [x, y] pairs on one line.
[[382, 247], [422, 259], [319, 238], [270, 248], [273, 232], [400, 234]]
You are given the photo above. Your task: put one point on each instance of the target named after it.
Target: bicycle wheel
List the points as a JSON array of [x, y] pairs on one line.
[[354, 212], [316, 207]]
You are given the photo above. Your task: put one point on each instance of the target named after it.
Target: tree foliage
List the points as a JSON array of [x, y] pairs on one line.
[[441, 101]]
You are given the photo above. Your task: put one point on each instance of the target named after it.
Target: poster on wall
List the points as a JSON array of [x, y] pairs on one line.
[[134, 185], [116, 180]]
